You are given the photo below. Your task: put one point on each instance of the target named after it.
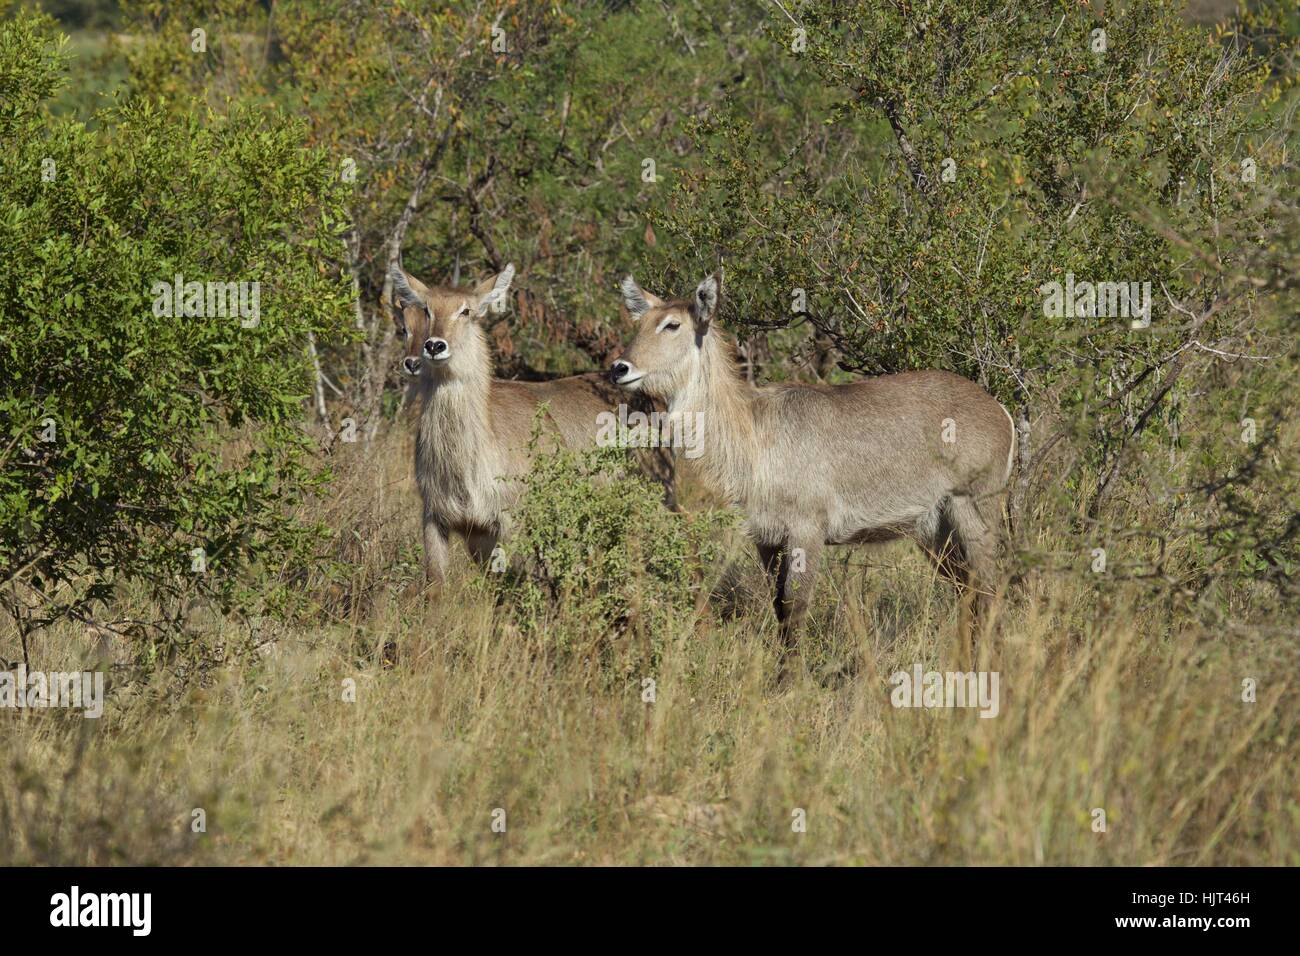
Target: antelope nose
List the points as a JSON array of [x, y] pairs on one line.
[[434, 347], [618, 370], [411, 364]]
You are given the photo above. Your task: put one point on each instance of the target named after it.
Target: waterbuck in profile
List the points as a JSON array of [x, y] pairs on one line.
[[474, 430], [919, 454]]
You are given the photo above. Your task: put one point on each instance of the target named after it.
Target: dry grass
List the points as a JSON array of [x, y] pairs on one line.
[[1105, 704]]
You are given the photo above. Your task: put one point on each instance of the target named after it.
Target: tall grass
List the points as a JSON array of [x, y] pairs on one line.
[[1106, 704]]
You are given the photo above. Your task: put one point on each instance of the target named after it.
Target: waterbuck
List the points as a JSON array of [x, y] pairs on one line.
[[918, 454], [474, 430]]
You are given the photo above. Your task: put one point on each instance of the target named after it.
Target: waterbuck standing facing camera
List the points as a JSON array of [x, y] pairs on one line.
[[474, 430], [920, 454]]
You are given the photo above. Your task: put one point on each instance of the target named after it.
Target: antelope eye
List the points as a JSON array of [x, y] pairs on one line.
[[672, 326]]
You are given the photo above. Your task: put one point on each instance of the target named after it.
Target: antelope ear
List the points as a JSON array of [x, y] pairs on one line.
[[491, 292], [706, 300], [637, 300], [404, 292]]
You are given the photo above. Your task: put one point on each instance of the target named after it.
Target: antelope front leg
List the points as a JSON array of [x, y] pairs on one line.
[[798, 575], [435, 551], [792, 568], [771, 556]]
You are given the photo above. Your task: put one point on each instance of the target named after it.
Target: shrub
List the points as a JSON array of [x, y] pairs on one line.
[[595, 543], [139, 440]]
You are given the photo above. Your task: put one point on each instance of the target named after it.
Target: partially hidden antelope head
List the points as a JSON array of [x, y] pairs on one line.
[[440, 326]]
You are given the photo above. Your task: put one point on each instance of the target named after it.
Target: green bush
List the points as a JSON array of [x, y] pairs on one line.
[[139, 441], [596, 546]]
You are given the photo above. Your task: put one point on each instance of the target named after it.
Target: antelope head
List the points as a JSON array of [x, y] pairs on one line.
[[441, 325], [665, 353]]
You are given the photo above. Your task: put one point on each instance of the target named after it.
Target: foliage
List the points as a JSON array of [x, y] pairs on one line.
[[129, 438], [596, 542], [906, 268], [483, 135]]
